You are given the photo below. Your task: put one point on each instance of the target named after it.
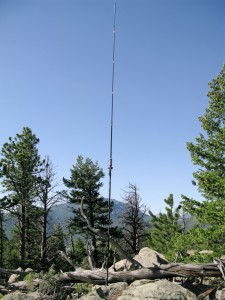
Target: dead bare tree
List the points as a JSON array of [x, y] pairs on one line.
[[133, 219], [48, 198]]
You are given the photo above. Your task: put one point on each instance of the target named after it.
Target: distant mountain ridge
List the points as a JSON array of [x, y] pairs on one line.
[[63, 212]]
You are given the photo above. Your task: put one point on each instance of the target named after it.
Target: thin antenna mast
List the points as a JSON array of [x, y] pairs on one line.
[[110, 167]]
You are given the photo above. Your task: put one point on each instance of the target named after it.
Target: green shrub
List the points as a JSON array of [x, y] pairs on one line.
[[82, 288], [51, 286], [29, 278]]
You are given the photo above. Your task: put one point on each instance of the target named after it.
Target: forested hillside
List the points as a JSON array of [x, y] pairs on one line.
[[62, 213]]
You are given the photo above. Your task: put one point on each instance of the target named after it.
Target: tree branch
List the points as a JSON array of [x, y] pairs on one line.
[[105, 236], [64, 256]]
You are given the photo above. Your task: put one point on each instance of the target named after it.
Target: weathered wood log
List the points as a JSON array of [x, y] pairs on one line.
[[192, 270], [10, 271], [66, 258], [164, 271]]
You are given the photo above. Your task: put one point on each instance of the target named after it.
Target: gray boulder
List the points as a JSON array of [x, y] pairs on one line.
[[220, 294], [147, 257], [18, 296], [158, 290], [15, 277], [100, 292], [116, 289], [140, 290], [150, 258]]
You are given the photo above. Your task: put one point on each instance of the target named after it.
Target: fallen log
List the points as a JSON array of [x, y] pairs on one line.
[[19, 272], [192, 270], [98, 276]]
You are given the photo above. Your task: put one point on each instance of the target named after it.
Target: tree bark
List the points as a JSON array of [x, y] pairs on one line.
[[43, 259], [23, 233]]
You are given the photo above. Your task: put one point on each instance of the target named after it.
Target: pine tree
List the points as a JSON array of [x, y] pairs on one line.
[[3, 241], [208, 153], [20, 167], [209, 150], [85, 182], [2, 234], [11, 254], [78, 254], [164, 227], [56, 243]]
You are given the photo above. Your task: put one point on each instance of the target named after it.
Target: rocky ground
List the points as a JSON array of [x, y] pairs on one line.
[[171, 289]]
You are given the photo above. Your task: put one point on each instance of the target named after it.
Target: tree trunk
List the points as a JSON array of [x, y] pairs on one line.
[[23, 234], [44, 239], [1, 238]]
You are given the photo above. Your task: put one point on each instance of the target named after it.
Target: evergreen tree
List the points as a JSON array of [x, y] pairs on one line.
[[133, 220], [11, 255], [20, 167], [208, 152], [164, 227], [2, 235], [85, 182], [56, 243], [79, 253], [3, 241]]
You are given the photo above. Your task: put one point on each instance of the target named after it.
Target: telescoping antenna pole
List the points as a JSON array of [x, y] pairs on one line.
[[110, 167]]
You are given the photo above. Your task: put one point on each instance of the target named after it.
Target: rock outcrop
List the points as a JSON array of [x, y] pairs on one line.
[[140, 289], [146, 257], [159, 290], [15, 277], [18, 296]]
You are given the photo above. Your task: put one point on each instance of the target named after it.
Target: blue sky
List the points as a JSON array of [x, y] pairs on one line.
[[55, 77]]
